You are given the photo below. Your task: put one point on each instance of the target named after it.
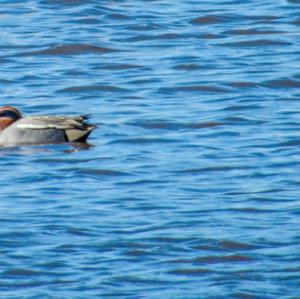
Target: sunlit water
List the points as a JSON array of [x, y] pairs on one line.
[[190, 185]]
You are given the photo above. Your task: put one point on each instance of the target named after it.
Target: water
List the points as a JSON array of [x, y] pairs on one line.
[[189, 188]]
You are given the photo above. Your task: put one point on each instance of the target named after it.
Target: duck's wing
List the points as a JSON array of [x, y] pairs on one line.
[[76, 128], [53, 122]]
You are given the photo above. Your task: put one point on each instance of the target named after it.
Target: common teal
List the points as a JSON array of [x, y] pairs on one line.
[[15, 129]]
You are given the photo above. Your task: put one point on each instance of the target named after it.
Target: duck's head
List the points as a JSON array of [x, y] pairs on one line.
[[8, 115]]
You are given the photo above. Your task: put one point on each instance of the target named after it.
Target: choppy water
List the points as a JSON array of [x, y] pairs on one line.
[[190, 188]]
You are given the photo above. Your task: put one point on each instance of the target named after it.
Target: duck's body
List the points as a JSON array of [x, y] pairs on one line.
[[15, 129]]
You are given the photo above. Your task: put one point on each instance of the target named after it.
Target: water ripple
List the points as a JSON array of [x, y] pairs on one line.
[[71, 49], [188, 187], [92, 88]]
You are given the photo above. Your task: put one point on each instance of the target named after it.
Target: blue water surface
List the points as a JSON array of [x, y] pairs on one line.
[[189, 187]]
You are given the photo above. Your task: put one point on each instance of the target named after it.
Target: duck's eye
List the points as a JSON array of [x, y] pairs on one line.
[[10, 114]]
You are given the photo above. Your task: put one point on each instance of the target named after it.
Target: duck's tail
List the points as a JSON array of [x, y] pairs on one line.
[[79, 135]]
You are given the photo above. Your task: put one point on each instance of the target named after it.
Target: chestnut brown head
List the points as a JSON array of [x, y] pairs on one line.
[[8, 115]]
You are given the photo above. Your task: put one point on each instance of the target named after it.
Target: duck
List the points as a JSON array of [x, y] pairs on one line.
[[16, 129]]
